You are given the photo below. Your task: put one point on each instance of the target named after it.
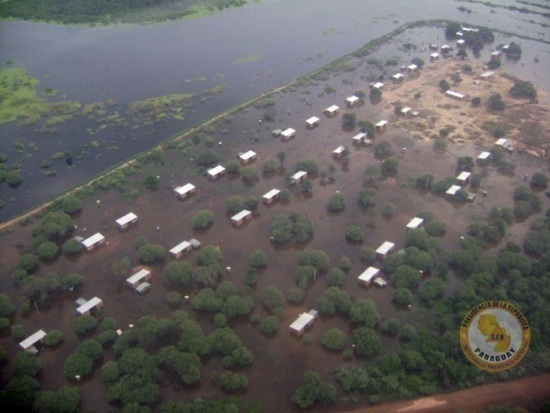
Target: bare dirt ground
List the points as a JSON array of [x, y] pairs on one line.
[[528, 392], [526, 123]]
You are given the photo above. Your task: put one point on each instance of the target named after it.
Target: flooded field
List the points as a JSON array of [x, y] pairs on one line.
[[279, 360]]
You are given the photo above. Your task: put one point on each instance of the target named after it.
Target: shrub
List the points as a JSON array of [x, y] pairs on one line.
[[47, 250], [354, 234], [53, 338], [71, 247], [173, 298], [334, 339], [203, 219], [269, 324]]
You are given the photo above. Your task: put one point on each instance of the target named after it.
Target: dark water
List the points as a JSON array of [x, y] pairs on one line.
[[250, 50]]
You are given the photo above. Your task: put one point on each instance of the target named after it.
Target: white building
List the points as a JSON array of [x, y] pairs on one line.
[[384, 249], [453, 190], [368, 275], [303, 322], [90, 305], [455, 95], [247, 157], [29, 342], [271, 196], [312, 122], [216, 172], [359, 138], [139, 277], [184, 191], [339, 152], [331, 110], [415, 223], [484, 155], [179, 249], [241, 217], [351, 101], [127, 220], [382, 125], [288, 134], [463, 178], [377, 85], [298, 177], [93, 242]]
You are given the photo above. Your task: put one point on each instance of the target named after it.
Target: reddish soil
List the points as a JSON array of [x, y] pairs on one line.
[[530, 392]]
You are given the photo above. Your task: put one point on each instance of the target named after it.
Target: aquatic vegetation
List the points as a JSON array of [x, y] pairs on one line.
[[247, 59]]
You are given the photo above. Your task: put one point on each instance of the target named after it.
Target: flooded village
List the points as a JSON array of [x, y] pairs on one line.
[[314, 248]]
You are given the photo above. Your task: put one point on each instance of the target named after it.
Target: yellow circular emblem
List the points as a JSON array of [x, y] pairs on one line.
[[495, 335]]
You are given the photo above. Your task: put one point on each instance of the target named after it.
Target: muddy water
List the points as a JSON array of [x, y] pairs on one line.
[[279, 361], [246, 49]]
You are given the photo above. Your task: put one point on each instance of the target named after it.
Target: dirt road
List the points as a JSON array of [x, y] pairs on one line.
[[528, 392]]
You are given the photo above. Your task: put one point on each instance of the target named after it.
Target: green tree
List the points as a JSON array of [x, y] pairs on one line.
[[269, 325], [444, 85], [71, 204], [295, 295], [367, 197], [110, 372], [54, 225], [47, 250], [495, 102], [349, 120], [418, 61], [233, 381], [354, 234], [366, 342], [383, 149], [316, 258], [71, 247], [389, 166], [258, 259], [250, 175], [209, 255], [26, 365], [367, 127], [6, 306], [177, 275], [203, 219], [150, 253], [233, 167], [364, 312], [65, 400], [375, 93], [13, 178], [336, 203], [208, 158], [152, 182], [313, 390], [53, 338], [84, 324], [390, 327], [272, 298], [251, 203], [452, 29], [269, 167], [72, 280], [336, 277], [281, 156], [539, 180], [234, 204], [239, 357], [402, 296], [334, 339], [308, 165]]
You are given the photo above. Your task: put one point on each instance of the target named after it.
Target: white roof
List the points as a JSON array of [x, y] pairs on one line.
[[180, 247], [298, 175], [271, 194], [385, 247], [502, 142], [460, 41], [382, 123], [412, 67], [352, 99], [143, 287], [406, 109], [332, 108], [84, 308], [359, 136], [463, 176], [301, 322], [484, 155], [415, 222], [445, 46], [496, 53], [216, 170], [247, 155], [434, 55], [377, 85], [398, 76], [182, 190], [126, 219], [313, 120], [368, 274], [487, 74], [380, 281], [138, 276], [243, 214], [29, 341], [339, 150], [453, 190], [455, 94], [94, 239], [288, 132]]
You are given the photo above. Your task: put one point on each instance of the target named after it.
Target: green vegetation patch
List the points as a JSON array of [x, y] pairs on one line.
[[247, 59]]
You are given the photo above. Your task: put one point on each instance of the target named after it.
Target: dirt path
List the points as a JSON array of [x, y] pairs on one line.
[[528, 392]]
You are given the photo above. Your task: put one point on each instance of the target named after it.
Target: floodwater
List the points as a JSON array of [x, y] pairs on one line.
[[282, 359], [249, 50]]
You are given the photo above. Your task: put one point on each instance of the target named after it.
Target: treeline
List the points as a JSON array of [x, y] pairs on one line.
[[108, 11]]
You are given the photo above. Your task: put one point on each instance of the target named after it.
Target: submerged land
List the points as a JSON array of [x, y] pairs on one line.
[[214, 326]]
